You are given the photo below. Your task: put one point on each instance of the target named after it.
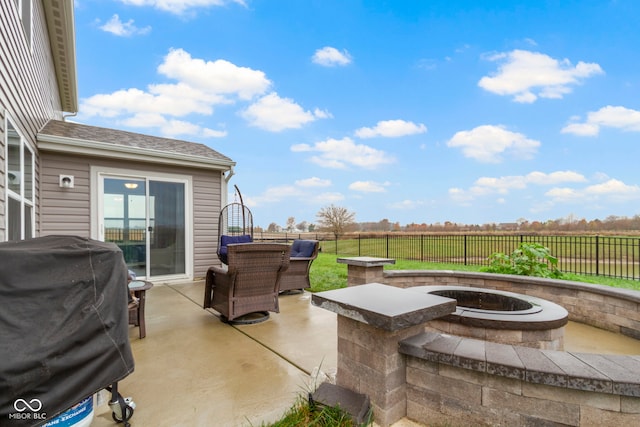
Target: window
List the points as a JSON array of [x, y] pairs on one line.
[[25, 11], [20, 212]]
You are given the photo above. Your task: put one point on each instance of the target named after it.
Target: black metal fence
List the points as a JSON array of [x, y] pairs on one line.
[[589, 255]]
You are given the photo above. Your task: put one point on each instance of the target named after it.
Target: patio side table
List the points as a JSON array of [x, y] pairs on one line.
[[136, 313]]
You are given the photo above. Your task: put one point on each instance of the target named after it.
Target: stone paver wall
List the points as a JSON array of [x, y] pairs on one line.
[[459, 381], [464, 381]]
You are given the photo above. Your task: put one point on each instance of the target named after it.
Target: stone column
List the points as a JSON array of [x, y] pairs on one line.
[[364, 269], [372, 319]]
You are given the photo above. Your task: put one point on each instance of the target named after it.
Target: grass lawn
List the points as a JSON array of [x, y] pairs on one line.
[[327, 274]]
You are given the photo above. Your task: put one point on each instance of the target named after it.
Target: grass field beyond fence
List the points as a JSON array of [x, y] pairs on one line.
[[327, 274], [608, 256]]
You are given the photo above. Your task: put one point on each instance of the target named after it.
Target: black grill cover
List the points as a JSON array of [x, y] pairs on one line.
[[64, 331]]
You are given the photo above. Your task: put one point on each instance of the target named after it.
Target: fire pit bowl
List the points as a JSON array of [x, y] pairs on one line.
[[501, 316]]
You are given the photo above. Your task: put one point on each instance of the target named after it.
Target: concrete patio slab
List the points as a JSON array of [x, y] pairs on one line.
[[194, 370]]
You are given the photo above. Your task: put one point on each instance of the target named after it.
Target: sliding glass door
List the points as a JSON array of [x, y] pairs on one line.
[[146, 218]]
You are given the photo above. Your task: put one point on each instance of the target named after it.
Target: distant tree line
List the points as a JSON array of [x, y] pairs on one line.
[[339, 220], [569, 224]]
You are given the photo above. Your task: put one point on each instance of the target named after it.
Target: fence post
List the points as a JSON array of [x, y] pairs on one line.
[[465, 249], [387, 253], [597, 256]]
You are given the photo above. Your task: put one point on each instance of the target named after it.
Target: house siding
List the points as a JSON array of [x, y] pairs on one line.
[[68, 211], [29, 94], [3, 178]]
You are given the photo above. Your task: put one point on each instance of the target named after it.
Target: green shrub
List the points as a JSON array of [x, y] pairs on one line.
[[530, 259]]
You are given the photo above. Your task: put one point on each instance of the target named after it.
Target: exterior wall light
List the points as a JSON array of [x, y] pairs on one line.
[[66, 181]]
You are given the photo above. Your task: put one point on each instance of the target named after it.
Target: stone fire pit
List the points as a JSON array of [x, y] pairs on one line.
[[500, 316]]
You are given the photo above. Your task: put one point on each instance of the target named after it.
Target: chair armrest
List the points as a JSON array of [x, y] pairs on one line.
[[216, 277], [219, 270]]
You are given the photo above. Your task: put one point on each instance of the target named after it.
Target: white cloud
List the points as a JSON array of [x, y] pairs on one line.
[[487, 143], [564, 194], [460, 196], [327, 198], [330, 57], [369, 186], [486, 186], [528, 75], [582, 129], [301, 148], [180, 127], [172, 128], [342, 153], [500, 185], [610, 191], [303, 191], [157, 100], [621, 118], [553, 178], [218, 77], [391, 129], [200, 86], [407, 204], [180, 7], [124, 29], [614, 189], [313, 182], [275, 114], [274, 195]]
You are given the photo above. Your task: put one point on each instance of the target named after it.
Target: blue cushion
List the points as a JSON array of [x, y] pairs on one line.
[[302, 248], [226, 240]]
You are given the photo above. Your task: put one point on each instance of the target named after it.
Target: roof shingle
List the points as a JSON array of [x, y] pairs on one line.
[[82, 132]]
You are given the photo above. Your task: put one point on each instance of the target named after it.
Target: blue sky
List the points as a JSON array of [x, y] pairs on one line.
[[413, 111]]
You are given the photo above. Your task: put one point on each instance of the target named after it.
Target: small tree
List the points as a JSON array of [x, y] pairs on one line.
[[335, 219], [291, 223]]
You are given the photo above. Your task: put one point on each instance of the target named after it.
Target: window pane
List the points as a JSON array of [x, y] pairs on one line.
[[13, 142], [14, 220], [28, 174], [28, 224]]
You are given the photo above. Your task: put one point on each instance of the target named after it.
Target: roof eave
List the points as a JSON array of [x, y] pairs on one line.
[[60, 144], [61, 28]]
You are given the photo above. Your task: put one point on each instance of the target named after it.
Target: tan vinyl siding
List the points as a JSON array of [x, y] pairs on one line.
[[64, 211], [28, 88], [3, 179], [68, 211], [206, 208]]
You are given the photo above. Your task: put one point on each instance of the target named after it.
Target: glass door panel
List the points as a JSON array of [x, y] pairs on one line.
[[125, 220], [167, 228]]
